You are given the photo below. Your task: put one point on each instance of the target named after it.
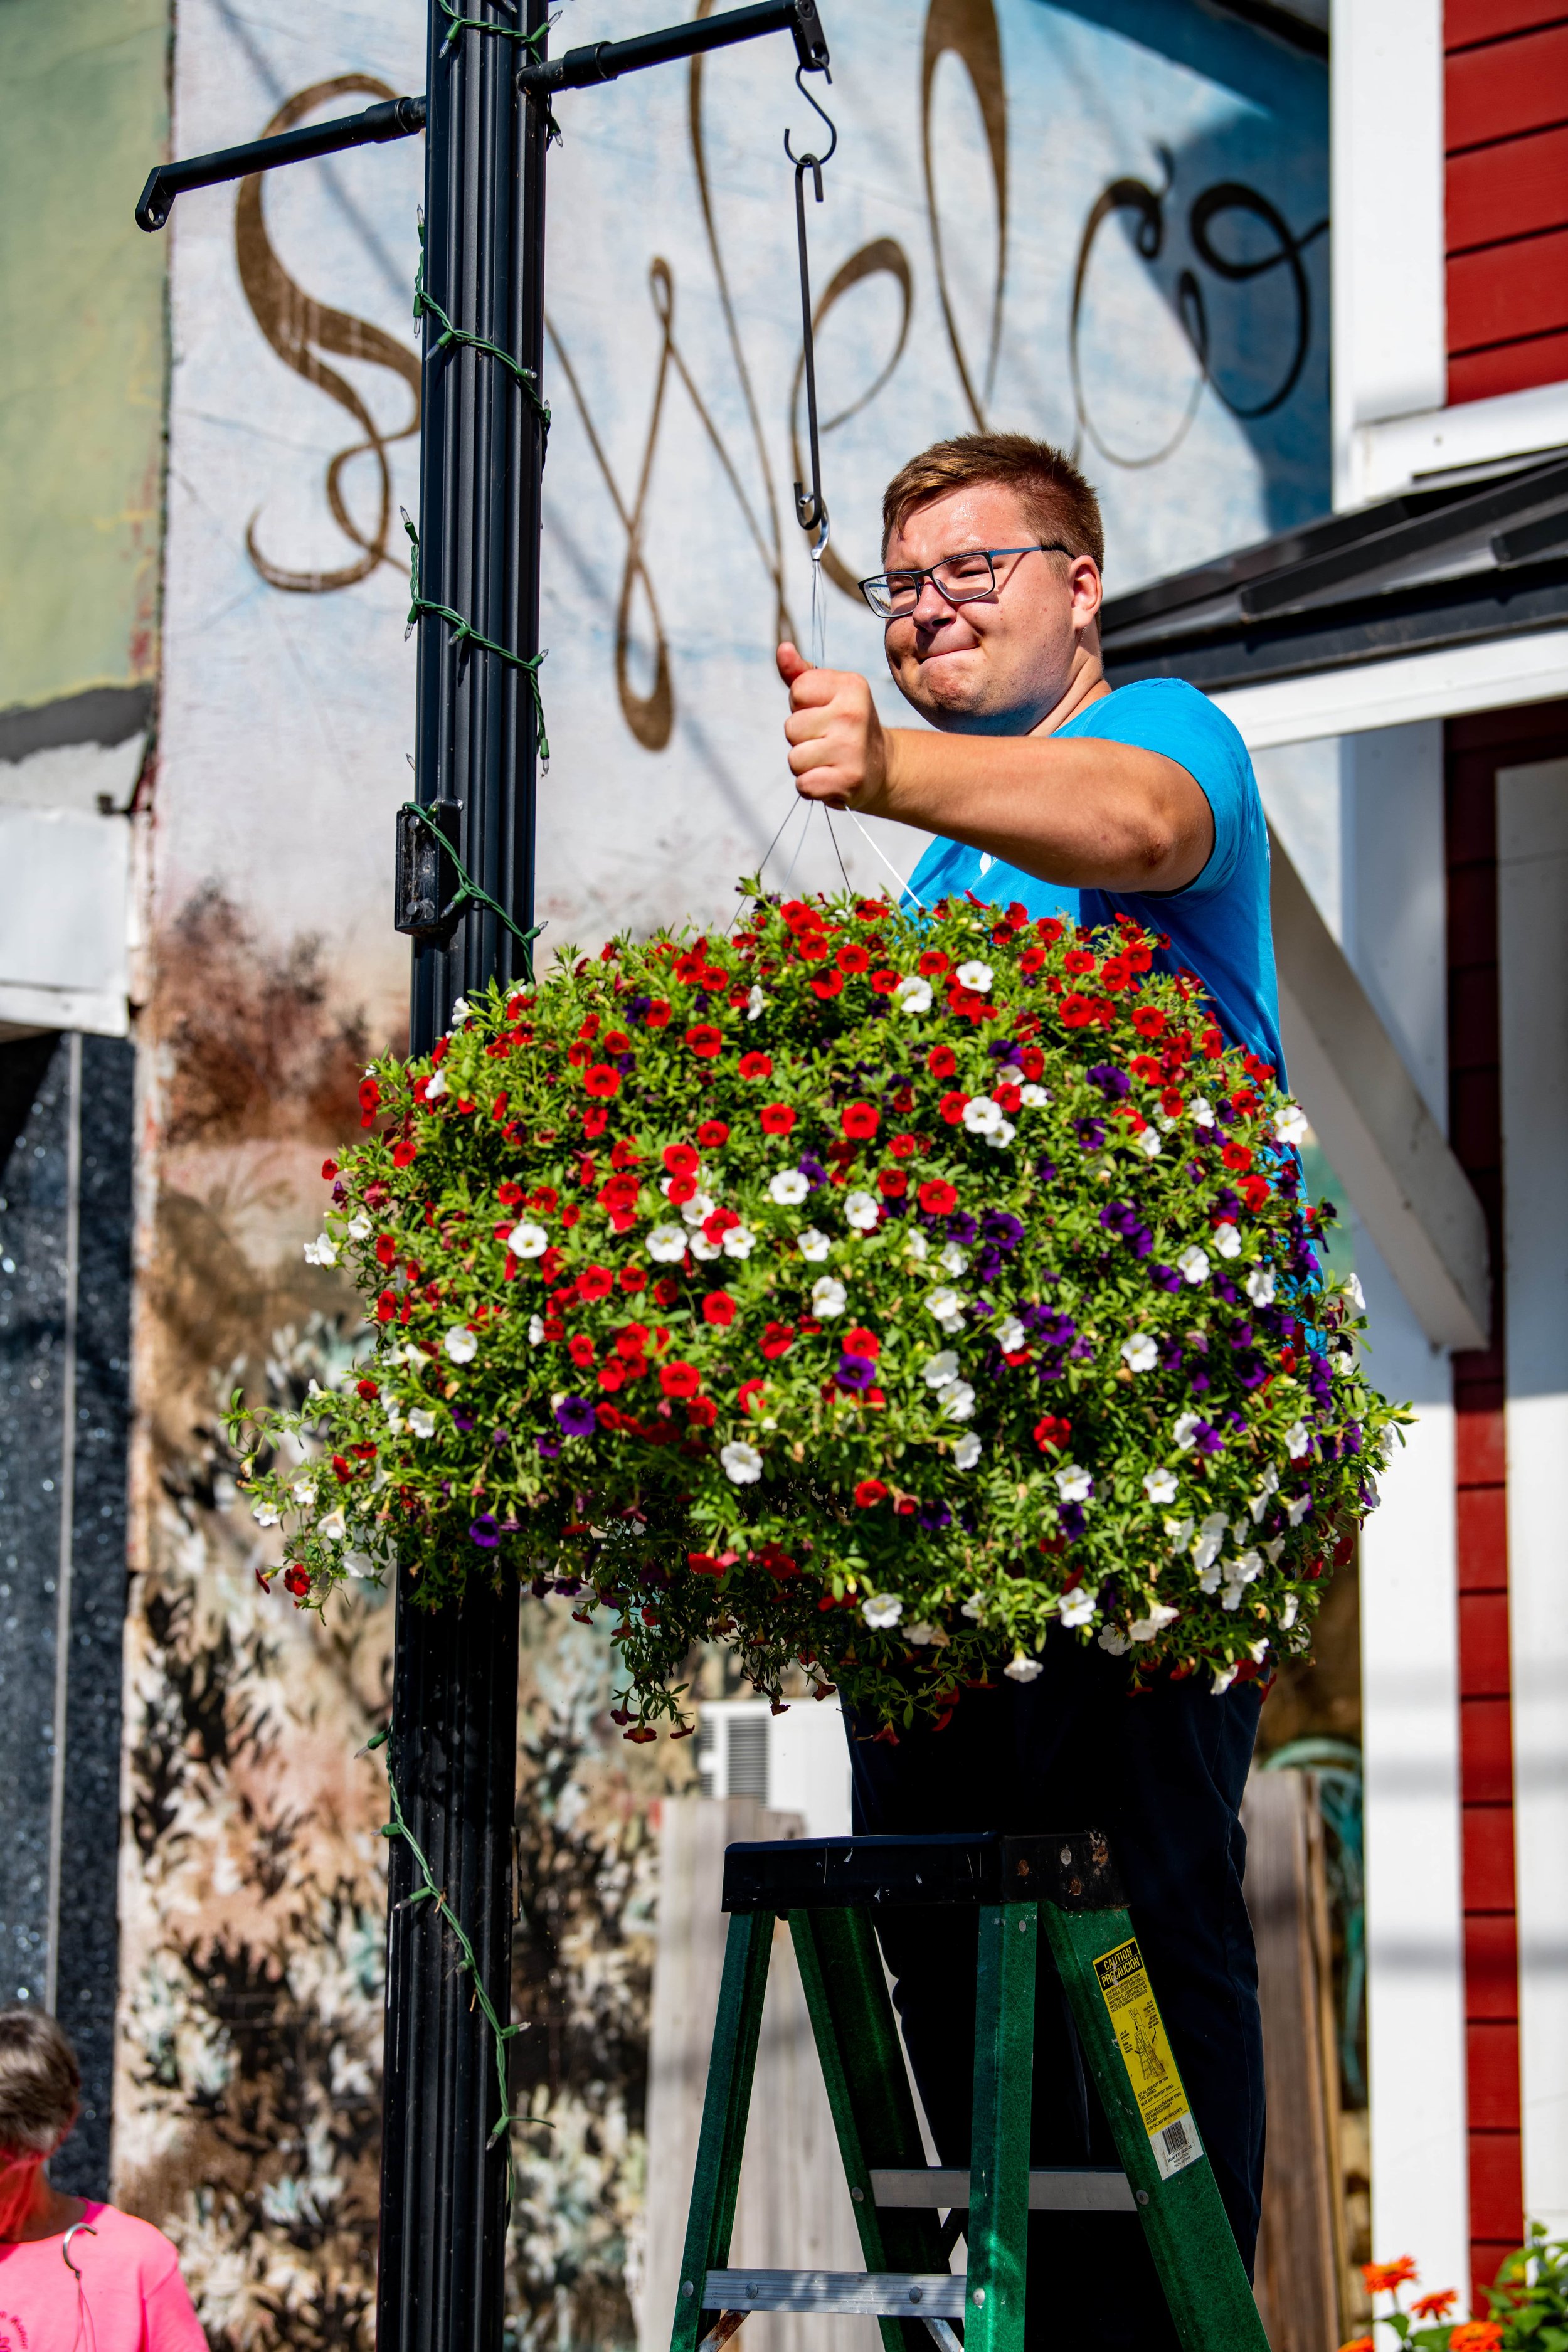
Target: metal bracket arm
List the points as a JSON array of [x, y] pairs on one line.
[[394, 118], [607, 61]]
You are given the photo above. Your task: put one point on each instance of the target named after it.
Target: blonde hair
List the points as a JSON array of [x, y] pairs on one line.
[[40, 2082], [1059, 503]]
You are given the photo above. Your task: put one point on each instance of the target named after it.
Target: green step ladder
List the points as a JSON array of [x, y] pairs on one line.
[[830, 1889]]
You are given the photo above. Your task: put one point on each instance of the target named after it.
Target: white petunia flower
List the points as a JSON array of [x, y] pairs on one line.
[[304, 1492], [1260, 1502], [436, 1088], [1297, 1440], [535, 1331], [1078, 1606], [267, 1515], [1023, 1669], [738, 1242], [953, 1260], [333, 1527], [1148, 1144], [322, 1252], [756, 1004], [461, 1344], [741, 1463], [940, 1370], [1259, 1286], [917, 1247], [1011, 1335], [1357, 1295], [1200, 1110], [981, 1115], [1180, 1532], [913, 994], [360, 1227], [1297, 1511], [813, 1245], [701, 1247], [828, 1295], [973, 1608], [1192, 1266], [1009, 1074], [1140, 1353], [922, 1635], [459, 1015], [1159, 1485], [1271, 1551], [359, 1563], [1144, 1629], [1223, 1678], [1228, 1241], [948, 1308], [700, 1207], [978, 976], [1000, 1137], [1208, 1540], [1259, 1650], [667, 1244], [863, 1211], [1035, 1097], [787, 1188], [528, 1241], [1289, 1124], [1288, 1614], [958, 1401], [1185, 1429], [1113, 1639], [1245, 1569], [967, 1452], [1074, 1483], [882, 1610]]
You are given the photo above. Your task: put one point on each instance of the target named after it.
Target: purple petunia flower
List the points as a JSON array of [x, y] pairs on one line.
[[855, 1372], [1113, 1084], [1005, 1230], [636, 1007], [1199, 1383], [1207, 1438], [812, 1170], [934, 1517], [1045, 1170], [462, 1419], [549, 1449], [1091, 1133], [1072, 1518], [1164, 1277], [576, 1416], [483, 1531], [962, 1228]]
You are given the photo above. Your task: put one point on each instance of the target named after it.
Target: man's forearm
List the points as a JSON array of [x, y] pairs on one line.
[[1078, 811]]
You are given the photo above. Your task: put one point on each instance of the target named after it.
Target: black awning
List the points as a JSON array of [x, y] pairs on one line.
[[1448, 565]]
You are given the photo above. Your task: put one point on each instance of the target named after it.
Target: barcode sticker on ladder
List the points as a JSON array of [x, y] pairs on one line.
[[1150, 2063]]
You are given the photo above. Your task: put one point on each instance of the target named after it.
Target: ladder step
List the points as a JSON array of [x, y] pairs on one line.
[[1052, 2189], [912, 2295]]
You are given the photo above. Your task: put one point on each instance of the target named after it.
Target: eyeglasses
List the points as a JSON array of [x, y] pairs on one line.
[[957, 579]]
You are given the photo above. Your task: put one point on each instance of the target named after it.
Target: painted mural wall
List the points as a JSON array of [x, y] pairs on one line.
[[1105, 225]]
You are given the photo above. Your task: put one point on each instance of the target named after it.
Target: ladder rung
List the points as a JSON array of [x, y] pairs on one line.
[[914, 2295], [1052, 2189]]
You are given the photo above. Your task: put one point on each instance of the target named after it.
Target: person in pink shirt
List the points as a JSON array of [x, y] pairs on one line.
[[75, 2275]]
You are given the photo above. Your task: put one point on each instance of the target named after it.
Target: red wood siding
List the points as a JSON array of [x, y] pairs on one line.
[[1506, 139], [1486, 1759]]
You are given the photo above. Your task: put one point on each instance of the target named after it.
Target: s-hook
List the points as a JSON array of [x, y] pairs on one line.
[[810, 508]]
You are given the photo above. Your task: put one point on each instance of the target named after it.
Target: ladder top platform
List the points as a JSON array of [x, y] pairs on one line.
[[1071, 1868]]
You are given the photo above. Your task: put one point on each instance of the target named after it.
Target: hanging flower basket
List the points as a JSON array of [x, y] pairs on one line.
[[866, 1291]]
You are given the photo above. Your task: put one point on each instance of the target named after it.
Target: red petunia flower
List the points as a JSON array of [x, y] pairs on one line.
[[701, 1412], [1149, 1020], [706, 1042], [679, 1159], [1116, 972], [869, 1492], [831, 983], [579, 1348], [718, 1307], [892, 1183], [756, 1066], [1032, 959], [1077, 1012], [1008, 1096], [777, 1118], [618, 1194], [666, 1290], [1053, 1431], [903, 1147], [613, 1375], [632, 1339], [1078, 959], [658, 1015], [1172, 1102], [387, 1306], [633, 1278], [941, 1061], [951, 1108], [938, 1197], [748, 1394], [602, 1081], [680, 1188], [595, 1282], [296, 1580], [712, 1133], [404, 1152], [932, 961], [680, 1379], [1050, 928], [1144, 1067], [852, 958], [777, 1341], [861, 1342], [1238, 1156], [328, 1169], [884, 982], [859, 1119]]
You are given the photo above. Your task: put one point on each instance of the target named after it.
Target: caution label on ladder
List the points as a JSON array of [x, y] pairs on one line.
[[1140, 2030]]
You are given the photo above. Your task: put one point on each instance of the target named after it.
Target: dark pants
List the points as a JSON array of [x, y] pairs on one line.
[[1162, 1773]]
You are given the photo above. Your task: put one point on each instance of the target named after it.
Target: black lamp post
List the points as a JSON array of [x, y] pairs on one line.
[[453, 1747]]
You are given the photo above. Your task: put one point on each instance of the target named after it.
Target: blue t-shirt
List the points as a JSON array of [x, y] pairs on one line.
[[1219, 925]]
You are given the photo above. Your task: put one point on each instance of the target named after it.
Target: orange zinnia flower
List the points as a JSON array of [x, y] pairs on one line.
[[1435, 2306], [1381, 2278]]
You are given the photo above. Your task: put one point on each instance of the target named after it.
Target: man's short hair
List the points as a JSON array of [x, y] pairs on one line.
[[40, 2082], [1055, 495]]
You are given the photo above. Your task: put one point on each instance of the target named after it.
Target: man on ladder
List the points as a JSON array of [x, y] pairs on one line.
[[1044, 786]]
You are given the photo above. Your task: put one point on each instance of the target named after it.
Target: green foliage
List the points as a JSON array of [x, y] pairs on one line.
[[868, 1291]]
